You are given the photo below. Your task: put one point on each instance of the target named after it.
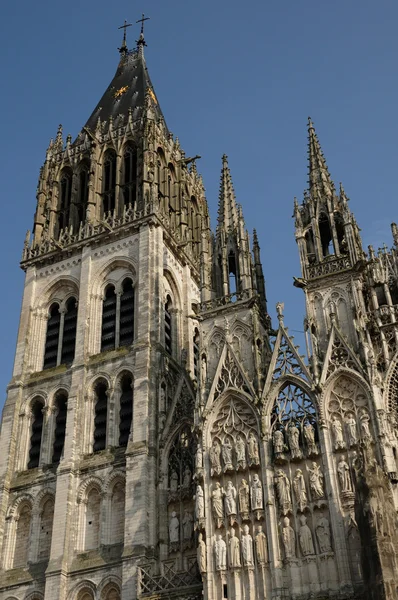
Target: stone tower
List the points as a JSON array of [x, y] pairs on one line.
[[160, 439]]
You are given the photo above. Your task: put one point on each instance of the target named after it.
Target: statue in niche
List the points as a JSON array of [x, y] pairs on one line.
[[230, 499], [174, 531], [173, 482], [256, 493], [282, 485], [201, 554], [199, 503], [322, 531], [240, 449], [217, 505], [254, 457], [227, 455], [247, 548], [351, 430], [337, 433], [234, 550], [215, 452], [316, 481], [309, 436], [243, 494], [220, 553], [343, 471], [199, 458], [305, 538], [162, 400], [204, 369], [278, 441], [293, 435], [288, 538], [186, 482], [187, 526], [261, 546], [299, 490], [365, 430]]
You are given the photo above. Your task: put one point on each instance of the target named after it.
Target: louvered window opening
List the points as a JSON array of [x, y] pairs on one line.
[[109, 183], [168, 327], [196, 354], [108, 332], [69, 337], [118, 317], [60, 428], [100, 419], [65, 200], [130, 176], [36, 435], [52, 338], [127, 314], [126, 410], [61, 335]]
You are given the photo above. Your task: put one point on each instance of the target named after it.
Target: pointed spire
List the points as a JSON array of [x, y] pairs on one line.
[[320, 182], [227, 207]]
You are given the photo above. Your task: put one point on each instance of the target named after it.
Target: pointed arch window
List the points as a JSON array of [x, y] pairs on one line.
[[93, 506], [326, 236], [52, 337], [126, 313], [101, 416], [168, 326], [82, 195], [126, 409], [61, 334], [61, 404], [46, 528], [196, 353], [36, 433], [65, 197], [22, 536], [108, 333], [118, 316], [129, 175], [232, 273], [109, 182]]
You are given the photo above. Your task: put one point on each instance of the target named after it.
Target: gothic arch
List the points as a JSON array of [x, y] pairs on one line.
[[331, 381], [238, 401], [86, 486], [279, 385], [103, 277], [100, 377], [59, 291], [120, 373], [42, 497], [171, 282], [112, 479], [27, 404], [79, 589], [107, 585], [34, 596], [17, 503], [56, 391]]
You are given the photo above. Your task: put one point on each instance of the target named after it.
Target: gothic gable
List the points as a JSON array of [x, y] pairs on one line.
[[339, 355]]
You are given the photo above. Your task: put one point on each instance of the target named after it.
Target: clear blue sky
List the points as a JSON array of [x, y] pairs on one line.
[[233, 77]]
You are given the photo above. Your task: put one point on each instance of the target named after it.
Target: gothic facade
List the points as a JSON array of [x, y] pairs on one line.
[[160, 438]]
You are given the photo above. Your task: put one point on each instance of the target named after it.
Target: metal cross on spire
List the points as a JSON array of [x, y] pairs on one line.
[[123, 47], [141, 41], [142, 20]]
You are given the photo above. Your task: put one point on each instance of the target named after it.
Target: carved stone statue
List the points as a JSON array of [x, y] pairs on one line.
[[220, 553], [278, 441], [254, 457], [282, 485], [174, 529], [230, 499], [227, 455], [337, 433], [187, 526], [243, 494], [199, 503], [322, 530], [173, 481], [186, 482], [288, 538], [299, 490], [293, 435], [305, 537], [240, 449], [216, 500], [351, 430], [309, 436], [256, 493], [316, 481], [199, 457], [247, 547], [204, 370], [234, 550], [261, 546], [343, 471], [365, 431], [215, 452], [201, 555]]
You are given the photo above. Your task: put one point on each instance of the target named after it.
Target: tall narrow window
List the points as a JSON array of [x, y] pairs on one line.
[[101, 417], [69, 332], [196, 354], [109, 182], [60, 427], [232, 273], [52, 337], [82, 197], [126, 318], [326, 236], [129, 175], [22, 537], [65, 196], [117, 515], [36, 434], [108, 332], [168, 326], [46, 529], [91, 539], [126, 409]]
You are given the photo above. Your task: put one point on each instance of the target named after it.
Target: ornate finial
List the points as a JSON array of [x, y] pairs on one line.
[[255, 237], [279, 310], [141, 40], [371, 252], [123, 48]]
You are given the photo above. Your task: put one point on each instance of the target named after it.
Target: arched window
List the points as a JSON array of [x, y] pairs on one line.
[[22, 536], [61, 335], [101, 416], [36, 433], [84, 595], [117, 513], [82, 195], [52, 337], [340, 232], [91, 538], [126, 313], [160, 173], [69, 332], [168, 340], [118, 317], [232, 273], [196, 353], [326, 236], [129, 175], [126, 409], [309, 239], [65, 197], [109, 182], [108, 333], [46, 528], [60, 427]]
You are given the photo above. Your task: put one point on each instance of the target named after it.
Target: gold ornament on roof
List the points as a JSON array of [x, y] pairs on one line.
[[121, 91], [152, 95]]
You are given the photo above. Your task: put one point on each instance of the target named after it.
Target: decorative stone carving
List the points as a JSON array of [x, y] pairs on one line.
[[173, 482], [278, 441], [243, 494], [220, 553], [365, 430], [187, 529], [187, 478], [254, 458], [309, 437], [226, 451], [261, 546], [256, 493], [199, 458], [316, 481], [234, 550], [240, 449], [289, 539], [217, 504], [282, 485], [247, 548], [215, 452], [199, 503], [351, 426], [343, 471], [300, 491], [201, 555], [305, 538], [174, 532], [322, 531], [204, 370], [337, 430], [230, 499], [293, 435]]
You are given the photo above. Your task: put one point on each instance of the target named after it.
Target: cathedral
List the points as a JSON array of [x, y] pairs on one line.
[[162, 438]]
